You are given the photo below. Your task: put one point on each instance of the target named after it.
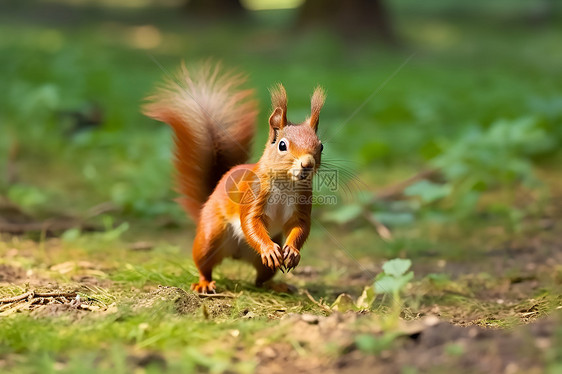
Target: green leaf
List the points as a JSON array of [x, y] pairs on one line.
[[428, 191], [391, 284], [397, 266], [71, 234], [394, 218], [345, 214]]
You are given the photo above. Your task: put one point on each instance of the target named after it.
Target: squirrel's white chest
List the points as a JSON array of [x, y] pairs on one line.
[[279, 208]]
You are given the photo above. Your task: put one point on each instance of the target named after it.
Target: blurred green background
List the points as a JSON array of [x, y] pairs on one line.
[[470, 89], [443, 118]]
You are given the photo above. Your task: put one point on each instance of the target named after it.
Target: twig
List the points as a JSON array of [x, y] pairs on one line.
[[396, 190], [17, 298], [99, 209], [32, 298], [381, 229], [39, 296], [16, 307], [5, 307], [219, 295], [55, 294], [322, 306]]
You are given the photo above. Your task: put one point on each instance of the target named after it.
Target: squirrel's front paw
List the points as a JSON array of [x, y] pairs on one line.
[[291, 257], [272, 257]]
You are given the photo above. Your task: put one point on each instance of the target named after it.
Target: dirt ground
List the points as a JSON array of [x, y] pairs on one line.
[[431, 346]]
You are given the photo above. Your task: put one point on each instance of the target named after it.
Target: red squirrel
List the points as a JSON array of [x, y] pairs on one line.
[[258, 212]]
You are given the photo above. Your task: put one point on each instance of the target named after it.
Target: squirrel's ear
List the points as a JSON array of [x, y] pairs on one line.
[[316, 103], [277, 121]]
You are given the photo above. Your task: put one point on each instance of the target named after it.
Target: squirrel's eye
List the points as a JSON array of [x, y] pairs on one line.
[[283, 146], [321, 147]]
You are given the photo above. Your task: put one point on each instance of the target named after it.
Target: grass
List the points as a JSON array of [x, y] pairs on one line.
[[146, 316], [485, 268]]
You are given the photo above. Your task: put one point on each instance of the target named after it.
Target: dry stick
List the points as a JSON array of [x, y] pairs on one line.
[[14, 308], [5, 307], [396, 190], [219, 295], [322, 306], [99, 209], [37, 295], [14, 303], [381, 229], [14, 299], [56, 294]]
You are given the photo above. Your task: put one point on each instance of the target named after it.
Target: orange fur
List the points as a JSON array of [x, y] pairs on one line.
[[213, 120]]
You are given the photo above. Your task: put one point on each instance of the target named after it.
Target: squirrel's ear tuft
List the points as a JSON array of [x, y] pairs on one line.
[[279, 98], [316, 103]]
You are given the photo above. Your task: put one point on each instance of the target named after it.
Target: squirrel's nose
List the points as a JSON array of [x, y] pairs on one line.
[[307, 163], [307, 167]]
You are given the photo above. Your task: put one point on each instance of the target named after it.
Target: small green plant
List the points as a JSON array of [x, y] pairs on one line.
[[394, 278], [392, 281]]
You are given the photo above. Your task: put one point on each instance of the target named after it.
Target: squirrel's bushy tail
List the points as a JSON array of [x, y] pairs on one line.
[[213, 120]]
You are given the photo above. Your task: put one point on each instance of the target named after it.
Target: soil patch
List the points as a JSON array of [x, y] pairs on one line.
[[423, 347], [185, 302], [447, 348]]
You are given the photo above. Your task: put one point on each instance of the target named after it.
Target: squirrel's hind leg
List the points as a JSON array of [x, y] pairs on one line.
[[208, 252], [264, 273]]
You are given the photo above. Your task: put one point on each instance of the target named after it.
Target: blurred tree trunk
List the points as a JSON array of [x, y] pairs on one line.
[[352, 18], [215, 8]]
